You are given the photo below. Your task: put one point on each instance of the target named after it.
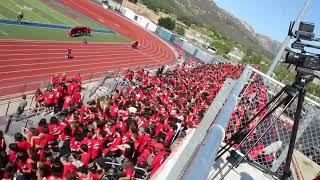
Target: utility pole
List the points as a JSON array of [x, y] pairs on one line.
[[287, 39]]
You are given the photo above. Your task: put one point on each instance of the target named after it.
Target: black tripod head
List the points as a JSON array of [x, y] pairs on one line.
[[303, 77]]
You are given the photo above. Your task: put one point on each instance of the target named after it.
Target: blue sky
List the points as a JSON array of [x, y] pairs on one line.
[[272, 17]]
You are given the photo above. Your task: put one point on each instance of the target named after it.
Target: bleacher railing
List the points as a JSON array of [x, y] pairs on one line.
[[274, 145]]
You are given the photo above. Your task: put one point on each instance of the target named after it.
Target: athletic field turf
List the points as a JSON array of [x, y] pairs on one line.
[[53, 34], [48, 12]]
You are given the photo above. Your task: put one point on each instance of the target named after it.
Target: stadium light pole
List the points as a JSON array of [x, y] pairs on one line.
[[287, 39]]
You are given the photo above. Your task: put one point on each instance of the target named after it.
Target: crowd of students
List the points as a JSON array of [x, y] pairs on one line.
[[61, 93], [134, 126]]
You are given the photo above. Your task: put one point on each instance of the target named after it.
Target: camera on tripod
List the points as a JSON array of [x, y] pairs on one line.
[[303, 59]]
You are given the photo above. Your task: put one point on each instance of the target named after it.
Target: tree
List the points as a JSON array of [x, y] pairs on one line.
[[167, 23], [180, 30], [222, 47]]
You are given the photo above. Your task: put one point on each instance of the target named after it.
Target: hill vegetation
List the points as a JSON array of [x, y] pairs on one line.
[[205, 13]]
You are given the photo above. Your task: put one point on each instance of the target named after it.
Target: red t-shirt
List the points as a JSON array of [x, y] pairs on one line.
[[158, 160], [48, 98], [63, 78], [40, 98], [129, 172], [77, 97], [68, 101], [76, 86], [68, 168], [12, 156], [53, 128], [46, 139], [56, 97], [70, 88], [117, 141], [142, 159], [54, 80], [113, 110], [85, 158], [142, 141], [95, 148], [25, 145], [87, 142], [74, 145]]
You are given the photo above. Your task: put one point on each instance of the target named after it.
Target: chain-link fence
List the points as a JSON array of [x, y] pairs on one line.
[[271, 151]]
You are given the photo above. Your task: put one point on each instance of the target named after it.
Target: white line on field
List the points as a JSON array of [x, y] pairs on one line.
[[3, 32]]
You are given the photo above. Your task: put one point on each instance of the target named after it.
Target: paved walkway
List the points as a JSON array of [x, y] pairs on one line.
[[56, 26]]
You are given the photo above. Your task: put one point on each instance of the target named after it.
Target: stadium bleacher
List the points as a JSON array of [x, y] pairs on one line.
[[137, 124]]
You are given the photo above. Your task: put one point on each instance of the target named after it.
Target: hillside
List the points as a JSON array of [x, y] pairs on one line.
[[207, 13]]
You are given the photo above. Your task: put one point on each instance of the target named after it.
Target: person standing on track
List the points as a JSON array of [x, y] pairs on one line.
[[68, 53]]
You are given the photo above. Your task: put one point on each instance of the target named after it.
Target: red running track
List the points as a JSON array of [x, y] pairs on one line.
[[26, 65]]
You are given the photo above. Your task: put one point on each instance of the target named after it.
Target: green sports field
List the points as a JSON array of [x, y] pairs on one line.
[[48, 12], [52, 34]]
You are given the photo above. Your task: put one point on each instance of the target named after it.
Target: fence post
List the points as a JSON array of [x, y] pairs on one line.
[[8, 125], [8, 107]]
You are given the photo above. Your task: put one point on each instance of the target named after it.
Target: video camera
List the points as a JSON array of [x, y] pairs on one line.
[[303, 58]]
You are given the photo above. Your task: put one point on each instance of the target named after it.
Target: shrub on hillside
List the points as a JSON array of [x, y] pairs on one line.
[[167, 23], [180, 30]]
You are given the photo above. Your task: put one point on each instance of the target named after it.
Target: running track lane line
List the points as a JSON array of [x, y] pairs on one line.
[[16, 87]]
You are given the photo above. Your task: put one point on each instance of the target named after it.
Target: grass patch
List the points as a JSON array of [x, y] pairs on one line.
[[52, 34], [37, 11]]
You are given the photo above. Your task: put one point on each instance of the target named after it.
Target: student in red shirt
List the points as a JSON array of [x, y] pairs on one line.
[[70, 88], [68, 101], [84, 156], [77, 96], [68, 167], [21, 142], [54, 79], [54, 127], [48, 99], [63, 78], [57, 96], [160, 156], [13, 149], [128, 169]]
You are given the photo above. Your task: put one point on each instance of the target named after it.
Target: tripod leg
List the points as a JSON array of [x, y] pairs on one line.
[[220, 170], [224, 149], [226, 173], [275, 106], [273, 101], [286, 172], [288, 99]]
